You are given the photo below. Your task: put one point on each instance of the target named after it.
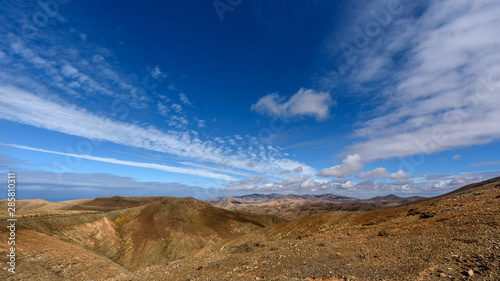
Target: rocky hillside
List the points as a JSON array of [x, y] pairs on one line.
[[450, 237], [139, 232]]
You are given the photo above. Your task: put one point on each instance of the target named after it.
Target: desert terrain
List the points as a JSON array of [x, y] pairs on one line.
[[455, 236], [299, 206]]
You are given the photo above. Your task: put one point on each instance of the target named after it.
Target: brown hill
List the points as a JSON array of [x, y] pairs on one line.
[[40, 205], [157, 231], [451, 237], [297, 206], [106, 204], [33, 208], [42, 257], [170, 228]]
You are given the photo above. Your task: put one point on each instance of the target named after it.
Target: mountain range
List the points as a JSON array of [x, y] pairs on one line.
[[455, 236]]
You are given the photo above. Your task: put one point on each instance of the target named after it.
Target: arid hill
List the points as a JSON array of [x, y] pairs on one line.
[[299, 206], [39, 207], [455, 236], [451, 237], [138, 232]]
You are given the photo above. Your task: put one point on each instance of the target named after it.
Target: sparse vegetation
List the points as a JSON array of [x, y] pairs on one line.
[[427, 215], [413, 212]]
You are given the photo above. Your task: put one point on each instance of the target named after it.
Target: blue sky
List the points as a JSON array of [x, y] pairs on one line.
[[215, 98]]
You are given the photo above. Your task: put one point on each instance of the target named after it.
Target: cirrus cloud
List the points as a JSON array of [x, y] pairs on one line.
[[445, 93]]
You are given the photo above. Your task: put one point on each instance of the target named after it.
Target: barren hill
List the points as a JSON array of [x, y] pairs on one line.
[[297, 206], [451, 237], [455, 236], [140, 232]]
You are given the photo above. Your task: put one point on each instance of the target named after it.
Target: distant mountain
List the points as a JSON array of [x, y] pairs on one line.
[[451, 237], [296, 206]]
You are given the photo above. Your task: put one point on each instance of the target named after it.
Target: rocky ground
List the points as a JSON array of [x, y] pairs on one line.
[[42, 257], [450, 237], [454, 237]]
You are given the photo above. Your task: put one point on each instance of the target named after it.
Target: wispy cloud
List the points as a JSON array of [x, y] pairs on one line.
[[444, 94], [195, 172], [485, 163], [184, 99], [305, 102], [381, 173], [23, 107]]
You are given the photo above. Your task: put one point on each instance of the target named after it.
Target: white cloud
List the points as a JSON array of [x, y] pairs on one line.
[[162, 109], [445, 93], [23, 107], [291, 184], [98, 59], [70, 60], [74, 85], [363, 189], [457, 157], [305, 102], [351, 164], [177, 121], [176, 107], [346, 185], [157, 73], [196, 172], [69, 71], [201, 123], [382, 174], [184, 99]]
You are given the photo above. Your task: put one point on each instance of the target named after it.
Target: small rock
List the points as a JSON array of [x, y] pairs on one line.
[[470, 272], [442, 275]]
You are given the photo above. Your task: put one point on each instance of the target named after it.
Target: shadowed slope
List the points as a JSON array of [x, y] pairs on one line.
[[172, 227]]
